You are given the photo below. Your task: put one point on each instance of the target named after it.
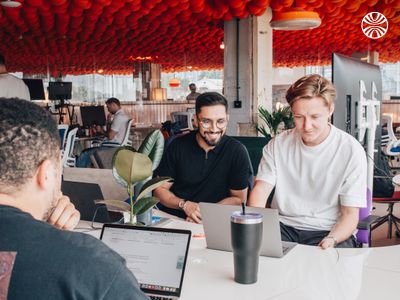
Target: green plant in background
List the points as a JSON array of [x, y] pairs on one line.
[[131, 168], [274, 119]]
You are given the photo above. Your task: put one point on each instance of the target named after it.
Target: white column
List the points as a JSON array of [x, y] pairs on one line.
[[254, 85]]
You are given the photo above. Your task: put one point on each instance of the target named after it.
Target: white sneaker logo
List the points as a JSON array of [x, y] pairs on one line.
[[374, 25]]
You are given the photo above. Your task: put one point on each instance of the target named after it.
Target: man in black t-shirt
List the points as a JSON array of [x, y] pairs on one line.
[[50, 263], [206, 165]]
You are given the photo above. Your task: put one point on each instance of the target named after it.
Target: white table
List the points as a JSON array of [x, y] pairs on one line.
[[304, 273]]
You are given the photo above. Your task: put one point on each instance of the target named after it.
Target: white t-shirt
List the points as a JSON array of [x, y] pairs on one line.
[[312, 182], [13, 87], [118, 124]]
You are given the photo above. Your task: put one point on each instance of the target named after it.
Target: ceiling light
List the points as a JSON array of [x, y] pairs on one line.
[[295, 19], [174, 82], [10, 3]]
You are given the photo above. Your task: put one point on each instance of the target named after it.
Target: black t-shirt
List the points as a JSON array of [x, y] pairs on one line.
[[56, 264], [204, 177]]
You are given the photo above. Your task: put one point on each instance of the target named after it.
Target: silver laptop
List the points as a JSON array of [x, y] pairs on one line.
[[156, 256], [217, 228]]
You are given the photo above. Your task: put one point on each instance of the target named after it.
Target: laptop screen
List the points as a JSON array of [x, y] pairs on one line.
[[156, 256]]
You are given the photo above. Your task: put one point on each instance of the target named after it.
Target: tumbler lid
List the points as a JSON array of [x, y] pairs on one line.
[[248, 218]]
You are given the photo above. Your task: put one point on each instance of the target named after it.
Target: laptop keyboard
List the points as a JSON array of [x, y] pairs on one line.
[[160, 298]]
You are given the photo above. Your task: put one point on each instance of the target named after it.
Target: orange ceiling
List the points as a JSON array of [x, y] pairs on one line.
[[81, 36]]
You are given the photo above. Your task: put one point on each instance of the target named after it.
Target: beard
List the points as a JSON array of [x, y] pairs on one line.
[[210, 142]]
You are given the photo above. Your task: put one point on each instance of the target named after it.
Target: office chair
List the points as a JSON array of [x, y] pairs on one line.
[[68, 159], [390, 218], [183, 118], [389, 143], [125, 142], [62, 130]]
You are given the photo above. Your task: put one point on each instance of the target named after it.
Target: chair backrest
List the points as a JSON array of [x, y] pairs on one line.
[[184, 118], [126, 141], [69, 146], [62, 130], [387, 123]]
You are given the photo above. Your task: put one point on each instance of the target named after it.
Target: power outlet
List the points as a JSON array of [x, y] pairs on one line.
[[237, 104]]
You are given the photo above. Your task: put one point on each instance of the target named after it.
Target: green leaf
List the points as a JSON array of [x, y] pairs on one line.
[[120, 205], [130, 167], [152, 184], [144, 204], [153, 147]]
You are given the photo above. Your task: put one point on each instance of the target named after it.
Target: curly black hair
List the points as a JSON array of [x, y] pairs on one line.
[[28, 136], [210, 99]]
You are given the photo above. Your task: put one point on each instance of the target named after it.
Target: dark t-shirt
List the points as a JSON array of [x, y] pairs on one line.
[[204, 177], [57, 264]]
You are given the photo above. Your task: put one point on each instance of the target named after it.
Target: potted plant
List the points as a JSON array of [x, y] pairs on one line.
[[133, 170], [283, 115]]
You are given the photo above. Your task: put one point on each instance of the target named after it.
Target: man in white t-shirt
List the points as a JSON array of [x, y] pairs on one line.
[[11, 86], [117, 121], [319, 172]]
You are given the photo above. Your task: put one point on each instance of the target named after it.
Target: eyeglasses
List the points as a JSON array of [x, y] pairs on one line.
[[207, 123]]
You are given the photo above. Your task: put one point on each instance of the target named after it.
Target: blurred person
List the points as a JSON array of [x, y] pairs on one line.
[[193, 94], [11, 86]]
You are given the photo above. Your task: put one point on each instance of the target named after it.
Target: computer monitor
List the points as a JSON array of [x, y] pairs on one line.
[[347, 74], [60, 90], [35, 87], [93, 115]]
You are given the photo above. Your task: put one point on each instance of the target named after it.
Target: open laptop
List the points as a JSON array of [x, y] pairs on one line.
[[156, 256], [83, 196], [217, 228]]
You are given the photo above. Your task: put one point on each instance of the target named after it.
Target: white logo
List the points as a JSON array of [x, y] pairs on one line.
[[374, 25]]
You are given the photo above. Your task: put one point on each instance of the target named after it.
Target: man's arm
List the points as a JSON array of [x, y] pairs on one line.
[[237, 197], [168, 199], [259, 194], [111, 134], [344, 227]]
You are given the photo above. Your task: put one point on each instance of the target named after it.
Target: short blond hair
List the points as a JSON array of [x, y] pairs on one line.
[[312, 86]]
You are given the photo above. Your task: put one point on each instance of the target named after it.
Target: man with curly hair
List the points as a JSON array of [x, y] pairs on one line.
[[50, 263]]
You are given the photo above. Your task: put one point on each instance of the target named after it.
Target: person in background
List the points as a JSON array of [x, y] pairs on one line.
[[50, 263], [193, 94], [319, 172], [206, 164], [11, 86], [117, 121]]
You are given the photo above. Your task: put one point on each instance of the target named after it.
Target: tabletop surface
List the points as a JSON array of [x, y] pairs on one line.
[[306, 272]]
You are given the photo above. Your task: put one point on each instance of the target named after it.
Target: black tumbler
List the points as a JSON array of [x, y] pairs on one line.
[[246, 237]]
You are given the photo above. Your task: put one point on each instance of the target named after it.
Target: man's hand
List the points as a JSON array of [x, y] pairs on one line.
[[64, 216], [192, 210], [327, 242]]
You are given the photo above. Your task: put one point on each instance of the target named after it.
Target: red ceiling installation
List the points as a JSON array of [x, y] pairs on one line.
[[81, 36]]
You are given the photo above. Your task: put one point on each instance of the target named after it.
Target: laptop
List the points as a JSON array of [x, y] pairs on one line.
[[217, 228], [83, 196], [156, 256]]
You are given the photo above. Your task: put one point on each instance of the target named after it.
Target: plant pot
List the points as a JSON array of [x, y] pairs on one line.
[[146, 218]]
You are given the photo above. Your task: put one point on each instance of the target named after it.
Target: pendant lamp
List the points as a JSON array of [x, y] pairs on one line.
[[10, 3], [174, 82], [295, 19]]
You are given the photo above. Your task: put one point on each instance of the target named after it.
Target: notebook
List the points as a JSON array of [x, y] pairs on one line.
[[217, 216], [156, 256]]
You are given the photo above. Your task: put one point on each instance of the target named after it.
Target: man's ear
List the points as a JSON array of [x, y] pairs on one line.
[[331, 109], [44, 173], [227, 117]]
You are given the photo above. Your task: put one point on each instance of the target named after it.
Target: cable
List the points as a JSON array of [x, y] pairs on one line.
[[386, 175]]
